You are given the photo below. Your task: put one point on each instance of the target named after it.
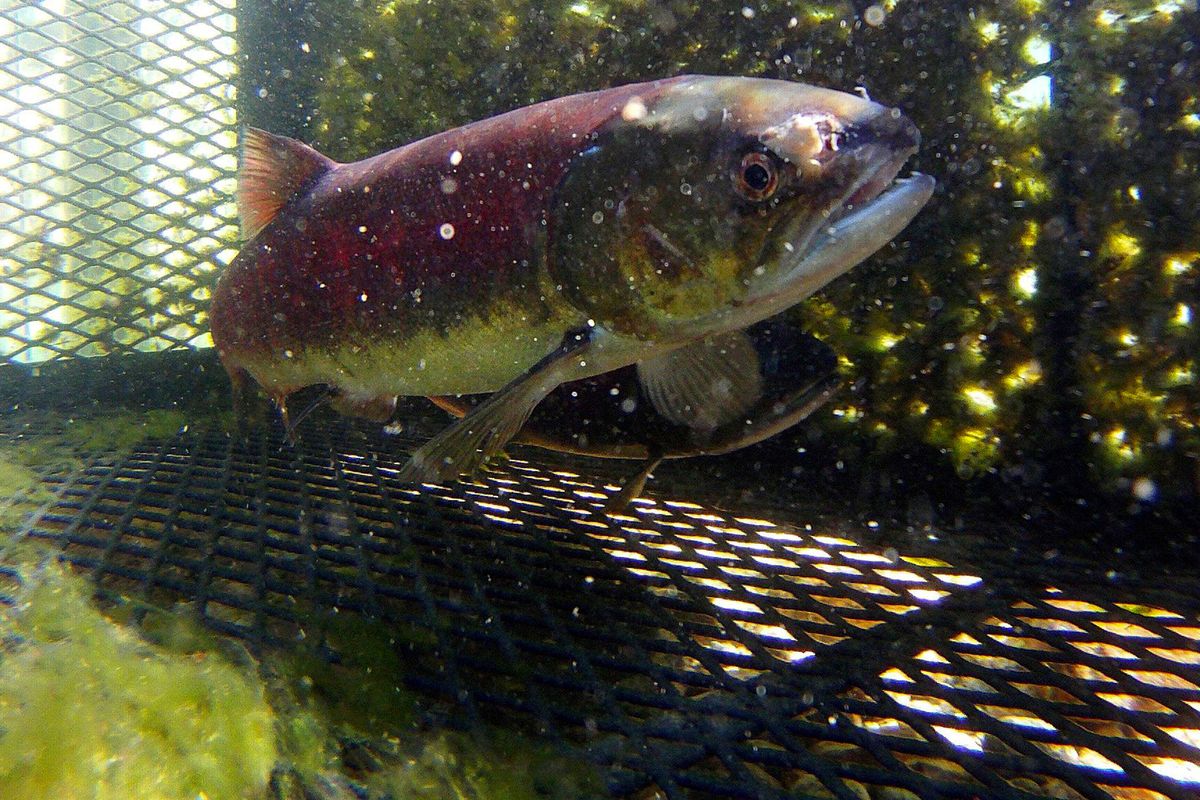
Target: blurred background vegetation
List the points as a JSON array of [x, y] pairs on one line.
[[1033, 329]]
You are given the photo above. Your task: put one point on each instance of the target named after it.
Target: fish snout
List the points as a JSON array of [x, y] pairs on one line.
[[892, 129]]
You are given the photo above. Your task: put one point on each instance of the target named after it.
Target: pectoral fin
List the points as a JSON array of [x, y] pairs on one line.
[[705, 384], [466, 445]]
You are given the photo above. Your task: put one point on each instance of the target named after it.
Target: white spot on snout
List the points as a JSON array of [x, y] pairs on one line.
[[456, 158], [634, 109], [807, 134]]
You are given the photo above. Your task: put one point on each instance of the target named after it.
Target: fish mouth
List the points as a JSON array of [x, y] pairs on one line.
[[872, 186], [815, 249]]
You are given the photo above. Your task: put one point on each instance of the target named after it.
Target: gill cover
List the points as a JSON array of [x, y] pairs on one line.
[[648, 229]]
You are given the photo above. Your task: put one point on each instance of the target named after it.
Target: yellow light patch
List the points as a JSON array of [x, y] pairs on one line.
[[886, 341], [1032, 185], [979, 399], [1180, 263], [1023, 376], [1183, 375], [1037, 50], [1121, 244], [1029, 235], [1116, 444], [1025, 283]]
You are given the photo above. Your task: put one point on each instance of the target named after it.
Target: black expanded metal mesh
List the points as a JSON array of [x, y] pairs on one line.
[[688, 651], [117, 158]]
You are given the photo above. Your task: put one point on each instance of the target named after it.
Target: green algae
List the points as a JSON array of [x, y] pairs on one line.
[[145, 702], [454, 766], [122, 431], [90, 709], [21, 491]]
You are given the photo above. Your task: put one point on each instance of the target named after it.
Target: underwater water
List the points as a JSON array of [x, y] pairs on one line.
[[940, 542]]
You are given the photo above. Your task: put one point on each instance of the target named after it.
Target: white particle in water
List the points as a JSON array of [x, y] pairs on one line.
[[747, 12], [449, 186], [456, 158], [874, 15], [446, 231], [598, 217], [628, 405], [1145, 489]]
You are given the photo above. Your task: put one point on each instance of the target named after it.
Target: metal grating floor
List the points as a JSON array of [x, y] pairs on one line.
[[688, 651]]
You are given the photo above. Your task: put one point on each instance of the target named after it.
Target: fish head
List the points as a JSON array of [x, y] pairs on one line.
[[711, 203]]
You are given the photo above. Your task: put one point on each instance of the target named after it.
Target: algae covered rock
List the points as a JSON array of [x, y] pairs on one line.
[[89, 709]]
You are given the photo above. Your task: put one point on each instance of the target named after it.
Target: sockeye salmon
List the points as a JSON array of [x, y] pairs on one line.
[[648, 224]]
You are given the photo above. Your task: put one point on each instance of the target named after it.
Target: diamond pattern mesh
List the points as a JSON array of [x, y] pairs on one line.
[[686, 650], [117, 164]]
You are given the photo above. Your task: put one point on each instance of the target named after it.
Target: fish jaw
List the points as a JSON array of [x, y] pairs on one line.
[[846, 242]]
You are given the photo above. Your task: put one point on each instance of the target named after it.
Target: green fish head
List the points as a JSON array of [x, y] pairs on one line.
[[700, 200]]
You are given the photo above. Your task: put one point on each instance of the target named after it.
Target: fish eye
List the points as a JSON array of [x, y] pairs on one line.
[[756, 177]]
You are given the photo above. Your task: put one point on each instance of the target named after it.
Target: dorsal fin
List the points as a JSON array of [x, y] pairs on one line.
[[274, 169]]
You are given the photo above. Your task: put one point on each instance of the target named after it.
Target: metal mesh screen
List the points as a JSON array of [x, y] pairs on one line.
[[688, 651], [117, 164]]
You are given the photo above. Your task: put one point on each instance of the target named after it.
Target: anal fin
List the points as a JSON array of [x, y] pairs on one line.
[[633, 487]]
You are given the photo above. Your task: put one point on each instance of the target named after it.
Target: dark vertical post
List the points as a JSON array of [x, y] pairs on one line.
[[283, 54]]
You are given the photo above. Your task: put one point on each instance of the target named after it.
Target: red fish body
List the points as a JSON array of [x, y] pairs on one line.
[[430, 238]]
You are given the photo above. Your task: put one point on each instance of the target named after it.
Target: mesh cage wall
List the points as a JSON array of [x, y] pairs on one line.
[[117, 163]]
